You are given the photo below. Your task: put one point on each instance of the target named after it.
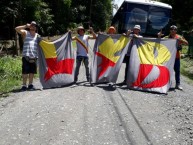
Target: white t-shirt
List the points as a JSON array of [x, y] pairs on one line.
[[81, 51]]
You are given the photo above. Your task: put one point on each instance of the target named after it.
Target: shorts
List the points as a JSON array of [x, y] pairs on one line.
[[28, 68]]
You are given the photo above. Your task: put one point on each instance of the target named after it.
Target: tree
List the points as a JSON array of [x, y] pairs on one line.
[[95, 13], [9, 11], [61, 12]]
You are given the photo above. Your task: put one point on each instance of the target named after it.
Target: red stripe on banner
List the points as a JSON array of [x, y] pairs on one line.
[[105, 63], [144, 71], [62, 67]]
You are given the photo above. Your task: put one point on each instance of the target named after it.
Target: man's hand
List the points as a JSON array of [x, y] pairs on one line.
[[129, 32], [91, 30], [160, 34], [28, 25]]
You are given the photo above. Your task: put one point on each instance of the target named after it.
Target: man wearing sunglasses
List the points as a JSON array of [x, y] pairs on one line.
[[181, 40], [29, 53]]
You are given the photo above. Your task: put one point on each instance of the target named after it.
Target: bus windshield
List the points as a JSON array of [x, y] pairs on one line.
[[151, 18]]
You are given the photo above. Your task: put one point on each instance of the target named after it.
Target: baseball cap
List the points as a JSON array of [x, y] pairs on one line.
[[33, 23], [137, 27], [174, 27], [80, 27]]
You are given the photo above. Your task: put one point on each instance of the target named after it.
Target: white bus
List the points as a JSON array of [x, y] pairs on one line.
[[152, 16]]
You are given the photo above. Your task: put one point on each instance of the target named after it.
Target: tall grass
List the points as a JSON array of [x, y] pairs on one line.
[[187, 65], [187, 68], [10, 73]]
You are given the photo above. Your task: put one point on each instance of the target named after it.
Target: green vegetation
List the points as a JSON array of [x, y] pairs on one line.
[[187, 68], [10, 74], [186, 64], [55, 17]]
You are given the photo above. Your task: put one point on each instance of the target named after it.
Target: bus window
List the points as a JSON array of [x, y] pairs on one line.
[[135, 14], [138, 17], [158, 19]]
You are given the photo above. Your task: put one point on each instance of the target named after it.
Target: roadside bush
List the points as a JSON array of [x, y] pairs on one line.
[[187, 67], [10, 73]]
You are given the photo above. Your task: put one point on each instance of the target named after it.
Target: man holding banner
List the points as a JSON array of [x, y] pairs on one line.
[[181, 41], [82, 51], [133, 34]]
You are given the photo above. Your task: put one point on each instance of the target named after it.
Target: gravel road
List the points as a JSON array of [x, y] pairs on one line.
[[97, 115]]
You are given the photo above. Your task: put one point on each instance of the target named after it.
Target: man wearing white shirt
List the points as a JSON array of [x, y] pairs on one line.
[[82, 51]]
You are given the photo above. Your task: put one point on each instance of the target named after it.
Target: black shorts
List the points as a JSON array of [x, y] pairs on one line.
[[28, 67]]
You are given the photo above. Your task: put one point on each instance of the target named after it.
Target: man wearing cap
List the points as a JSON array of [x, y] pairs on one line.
[[82, 51], [134, 34], [29, 53], [181, 40]]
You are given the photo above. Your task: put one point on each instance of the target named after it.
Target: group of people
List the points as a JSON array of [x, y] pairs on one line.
[[31, 38]]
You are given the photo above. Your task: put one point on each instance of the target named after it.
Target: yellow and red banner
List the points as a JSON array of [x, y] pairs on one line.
[[109, 52], [56, 61], [151, 64]]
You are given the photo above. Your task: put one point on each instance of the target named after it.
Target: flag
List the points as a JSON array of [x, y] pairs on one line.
[[151, 64], [56, 62], [109, 51]]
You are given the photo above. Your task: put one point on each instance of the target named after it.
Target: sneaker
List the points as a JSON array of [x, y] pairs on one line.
[[31, 87], [23, 88], [179, 87]]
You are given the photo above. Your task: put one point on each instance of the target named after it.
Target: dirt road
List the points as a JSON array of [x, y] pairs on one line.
[[97, 115]]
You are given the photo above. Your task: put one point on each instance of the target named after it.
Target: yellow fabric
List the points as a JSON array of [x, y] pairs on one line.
[[48, 49], [146, 53], [108, 48]]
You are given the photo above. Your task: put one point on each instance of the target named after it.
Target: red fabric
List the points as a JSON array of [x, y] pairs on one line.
[[105, 63], [144, 71], [62, 67]]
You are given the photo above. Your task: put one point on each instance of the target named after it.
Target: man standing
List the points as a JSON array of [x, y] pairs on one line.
[[82, 51], [29, 54], [181, 40], [134, 34]]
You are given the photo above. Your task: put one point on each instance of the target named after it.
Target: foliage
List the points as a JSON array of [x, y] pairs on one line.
[[101, 14], [187, 67], [44, 19], [10, 73], [54, 17]]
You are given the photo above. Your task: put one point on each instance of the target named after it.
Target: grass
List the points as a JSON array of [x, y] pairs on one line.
[[187, 68], [187, 65], [10, 74]]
